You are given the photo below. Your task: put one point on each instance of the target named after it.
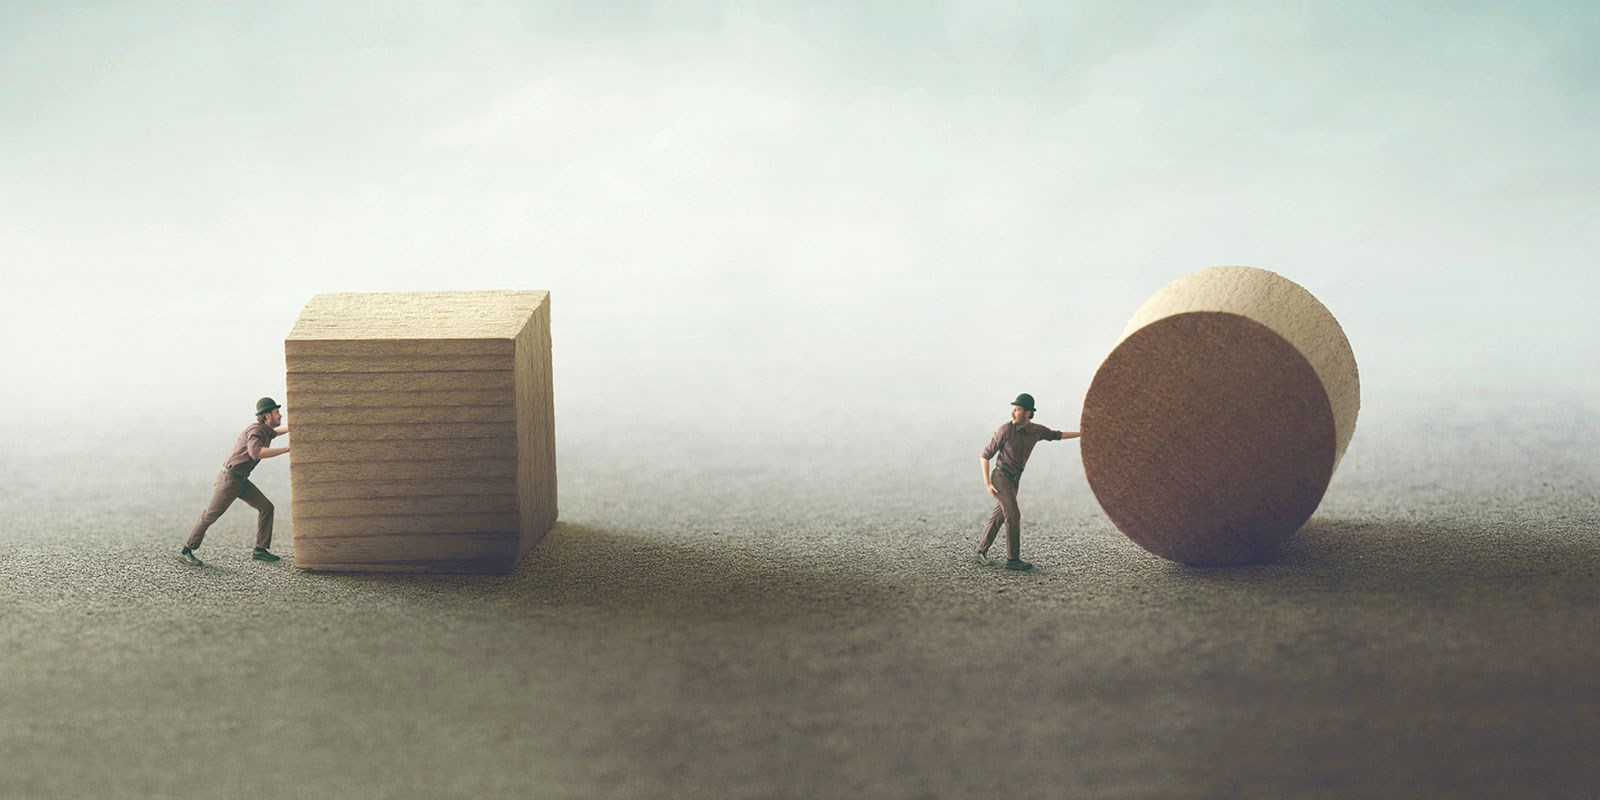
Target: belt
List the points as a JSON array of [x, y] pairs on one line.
[[1016, 477], [236, 476]]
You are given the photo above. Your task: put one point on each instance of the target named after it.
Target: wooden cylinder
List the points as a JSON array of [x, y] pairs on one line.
[[1212, 429]]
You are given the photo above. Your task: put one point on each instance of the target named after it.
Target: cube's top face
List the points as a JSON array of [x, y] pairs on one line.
[[417, 315]]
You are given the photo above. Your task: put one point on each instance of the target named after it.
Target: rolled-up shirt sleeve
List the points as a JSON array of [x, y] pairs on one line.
[[258, 440], [1044, 434], [994, 443]]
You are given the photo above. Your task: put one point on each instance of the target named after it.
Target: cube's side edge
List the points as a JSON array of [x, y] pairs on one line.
[[536, 441]]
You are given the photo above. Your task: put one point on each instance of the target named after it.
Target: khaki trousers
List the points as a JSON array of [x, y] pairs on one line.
[[226, 490], [1005, 511]]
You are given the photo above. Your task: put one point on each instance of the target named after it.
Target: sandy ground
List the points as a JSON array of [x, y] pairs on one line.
[[800, 618]]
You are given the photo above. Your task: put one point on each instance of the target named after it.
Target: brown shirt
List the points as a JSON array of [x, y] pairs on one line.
[[247, 451], [1014, 443]]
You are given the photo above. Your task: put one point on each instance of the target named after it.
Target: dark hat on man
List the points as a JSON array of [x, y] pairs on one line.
[[1025, 400], [266, 404]]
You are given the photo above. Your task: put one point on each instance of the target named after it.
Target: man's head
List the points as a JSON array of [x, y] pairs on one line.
[[268, 411], [1022, 409]]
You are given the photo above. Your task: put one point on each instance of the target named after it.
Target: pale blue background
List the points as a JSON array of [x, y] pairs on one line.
[[790, 217]]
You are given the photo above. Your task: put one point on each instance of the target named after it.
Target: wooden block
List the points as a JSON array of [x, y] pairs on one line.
[[423, 430], [1211, 431]]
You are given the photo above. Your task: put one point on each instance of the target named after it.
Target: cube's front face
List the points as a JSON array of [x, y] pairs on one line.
[[422, 431]]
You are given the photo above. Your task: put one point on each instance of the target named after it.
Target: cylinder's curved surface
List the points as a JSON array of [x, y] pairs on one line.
[[1214, 426]]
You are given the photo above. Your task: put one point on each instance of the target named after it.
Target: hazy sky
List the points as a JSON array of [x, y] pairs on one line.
[[782, 213]]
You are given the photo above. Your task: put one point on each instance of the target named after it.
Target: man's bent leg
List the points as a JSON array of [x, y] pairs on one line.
[[222, 496], [996, 519], [1008, 504], [259, 502]]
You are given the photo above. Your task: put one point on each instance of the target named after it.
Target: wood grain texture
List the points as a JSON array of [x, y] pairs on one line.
[[375, 401], [295, 350], [423, 430], [403, 416], [400, 488], [421, 504], [398, 383], [301, 472], [417, 315], [440, 552], [391, 449], [379, 362], [379, 525], [1284, 307], [410, 432], [1212, 430], [536, 461]]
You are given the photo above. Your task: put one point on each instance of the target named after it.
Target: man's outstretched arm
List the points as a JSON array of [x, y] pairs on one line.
[[1069, 434], [269, 452]]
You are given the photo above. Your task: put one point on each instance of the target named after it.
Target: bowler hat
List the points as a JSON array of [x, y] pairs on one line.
[[1025, 400], [266, 404]]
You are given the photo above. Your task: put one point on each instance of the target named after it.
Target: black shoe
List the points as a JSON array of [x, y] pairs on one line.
[[187, 556], [1018, 564], [262, 555]]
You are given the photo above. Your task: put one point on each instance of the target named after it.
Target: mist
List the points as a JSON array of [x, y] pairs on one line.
[[784, 220]]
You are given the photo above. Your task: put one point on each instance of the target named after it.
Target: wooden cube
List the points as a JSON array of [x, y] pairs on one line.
[[423, 431]]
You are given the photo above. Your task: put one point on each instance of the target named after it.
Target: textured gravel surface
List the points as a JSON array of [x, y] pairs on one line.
[[800, 618]]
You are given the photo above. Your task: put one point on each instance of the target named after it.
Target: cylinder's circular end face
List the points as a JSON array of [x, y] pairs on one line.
[[1207, 438]]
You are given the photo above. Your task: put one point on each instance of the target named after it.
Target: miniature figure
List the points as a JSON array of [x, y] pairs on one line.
[[234, 483], [1013, 443]]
